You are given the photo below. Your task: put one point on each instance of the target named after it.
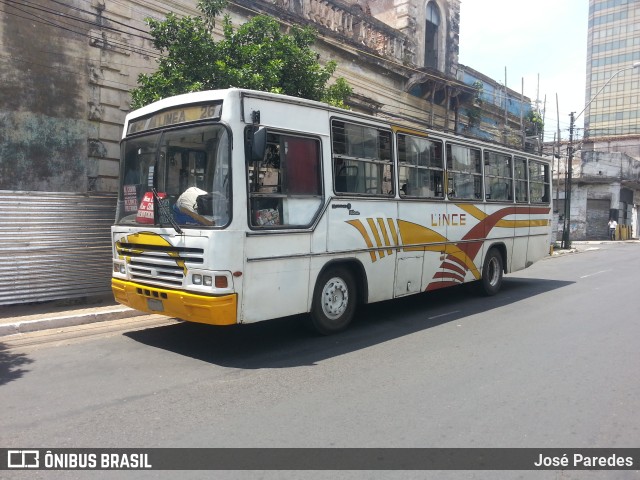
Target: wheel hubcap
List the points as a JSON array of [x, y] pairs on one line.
[[335, 298]]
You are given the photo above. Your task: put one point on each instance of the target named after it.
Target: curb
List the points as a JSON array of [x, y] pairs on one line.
[[27, 326]]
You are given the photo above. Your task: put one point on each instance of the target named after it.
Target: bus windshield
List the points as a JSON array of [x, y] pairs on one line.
[[177, 178]]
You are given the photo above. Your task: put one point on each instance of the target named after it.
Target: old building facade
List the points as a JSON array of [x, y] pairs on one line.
[[67, 71]]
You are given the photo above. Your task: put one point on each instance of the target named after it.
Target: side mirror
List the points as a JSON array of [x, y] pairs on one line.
[[258, 144]]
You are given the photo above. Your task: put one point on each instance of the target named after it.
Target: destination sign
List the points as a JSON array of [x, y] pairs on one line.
[[174, 116]]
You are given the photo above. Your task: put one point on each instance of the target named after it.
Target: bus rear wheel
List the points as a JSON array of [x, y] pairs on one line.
[[334, 301], [492, 273]]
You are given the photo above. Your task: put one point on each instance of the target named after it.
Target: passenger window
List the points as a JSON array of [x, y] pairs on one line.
[[521, 178], [539, 183], [420, 167], [498, 176], [362, 160], [464, 172], [285, 188]]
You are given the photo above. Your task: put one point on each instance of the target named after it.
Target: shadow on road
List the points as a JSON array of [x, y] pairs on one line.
[[285, 342], [11, 365]]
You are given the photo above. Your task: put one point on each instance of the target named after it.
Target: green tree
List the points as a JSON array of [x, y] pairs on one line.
[[474, 112], [256, 55], [535, 125]]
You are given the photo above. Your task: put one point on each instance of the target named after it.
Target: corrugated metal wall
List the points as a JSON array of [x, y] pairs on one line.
[[597, 219], [54, 245]]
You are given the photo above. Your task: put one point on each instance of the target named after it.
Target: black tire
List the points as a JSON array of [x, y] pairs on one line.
[[334, 301], [492, 273]]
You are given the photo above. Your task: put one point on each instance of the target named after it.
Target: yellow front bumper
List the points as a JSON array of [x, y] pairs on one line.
[[174, 303]]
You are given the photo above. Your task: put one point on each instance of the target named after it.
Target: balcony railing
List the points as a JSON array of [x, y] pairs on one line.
[[354, 24]]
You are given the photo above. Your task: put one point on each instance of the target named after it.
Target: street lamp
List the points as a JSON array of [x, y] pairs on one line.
[[566, 241]]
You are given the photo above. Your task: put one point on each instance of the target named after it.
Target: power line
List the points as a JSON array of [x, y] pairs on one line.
[[10, 57], [106, 18], [71, 28], [10, 60]]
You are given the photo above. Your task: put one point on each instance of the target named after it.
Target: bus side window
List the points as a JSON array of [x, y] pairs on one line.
[[464, 172], [420, 167], [347, 178], [539, 183], [362, 161], [498, 176], [288, 190]]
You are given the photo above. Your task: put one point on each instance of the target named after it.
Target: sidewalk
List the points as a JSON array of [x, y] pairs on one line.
[[24, 318], [580, 246]]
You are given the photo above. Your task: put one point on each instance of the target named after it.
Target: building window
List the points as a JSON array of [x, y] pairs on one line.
[[432, 33]]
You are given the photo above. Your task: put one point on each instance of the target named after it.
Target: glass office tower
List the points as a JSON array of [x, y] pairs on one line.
[[613, 45]]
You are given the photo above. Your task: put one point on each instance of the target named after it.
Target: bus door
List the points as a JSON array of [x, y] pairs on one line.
[[366, 229], [422, 213], [284, 199], [465, 215], [499, 193], [363, 213]]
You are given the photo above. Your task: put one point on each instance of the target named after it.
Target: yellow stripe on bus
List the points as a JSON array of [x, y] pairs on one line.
[[376, 235], [385, 235], [472, 210]]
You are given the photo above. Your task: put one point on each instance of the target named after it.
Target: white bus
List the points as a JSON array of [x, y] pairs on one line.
[[238, 206]]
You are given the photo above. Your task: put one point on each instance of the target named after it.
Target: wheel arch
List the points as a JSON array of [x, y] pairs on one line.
[[502, 250], [357, 270]]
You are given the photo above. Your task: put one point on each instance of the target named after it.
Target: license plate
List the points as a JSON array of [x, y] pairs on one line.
[[155, 305]]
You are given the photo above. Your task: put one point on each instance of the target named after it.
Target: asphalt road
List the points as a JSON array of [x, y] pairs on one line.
[[552, 361]]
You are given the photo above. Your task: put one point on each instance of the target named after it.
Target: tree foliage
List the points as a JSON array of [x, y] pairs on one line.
[[257, 55], [535, 123]]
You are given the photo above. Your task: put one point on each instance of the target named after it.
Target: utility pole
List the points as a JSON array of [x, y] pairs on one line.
[[566, 239], [544, 119], [559, 139]]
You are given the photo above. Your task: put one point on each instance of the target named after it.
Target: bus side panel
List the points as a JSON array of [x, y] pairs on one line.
[[500, 228], [422, 233], [364, 229], [298, 118], [539, 241], [465, 251], [276, 276], [521, 240]]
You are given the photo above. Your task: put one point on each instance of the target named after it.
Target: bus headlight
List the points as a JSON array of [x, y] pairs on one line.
[[119, 268], [209, 281], [199, 279]]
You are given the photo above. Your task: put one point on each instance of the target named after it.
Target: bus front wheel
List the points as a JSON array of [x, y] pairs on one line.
[[492, 271], [334, 301]]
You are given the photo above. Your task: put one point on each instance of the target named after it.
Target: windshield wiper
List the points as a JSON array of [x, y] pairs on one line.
[[165, 210]]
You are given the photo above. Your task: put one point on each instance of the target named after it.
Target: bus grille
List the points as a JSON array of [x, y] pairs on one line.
[[158, 264]]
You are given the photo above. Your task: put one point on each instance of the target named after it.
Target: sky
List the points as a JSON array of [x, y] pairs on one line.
[[543, 42]]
